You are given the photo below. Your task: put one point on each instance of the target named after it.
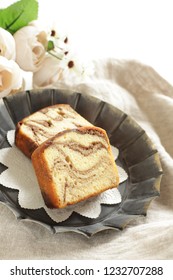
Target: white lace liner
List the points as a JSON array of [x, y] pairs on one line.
[[20, 175]]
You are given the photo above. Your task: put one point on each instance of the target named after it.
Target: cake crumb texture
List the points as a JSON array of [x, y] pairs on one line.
[[75, 165]]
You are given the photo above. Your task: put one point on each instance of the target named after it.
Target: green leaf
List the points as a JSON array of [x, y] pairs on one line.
[[18, 15]]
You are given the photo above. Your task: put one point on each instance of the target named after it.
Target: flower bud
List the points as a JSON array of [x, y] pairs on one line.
[[10, 76], [30, 49], [49, 73], [7, 44]]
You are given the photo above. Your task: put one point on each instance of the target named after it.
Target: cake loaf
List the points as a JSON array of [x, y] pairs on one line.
[[74, 165], [44, 124]]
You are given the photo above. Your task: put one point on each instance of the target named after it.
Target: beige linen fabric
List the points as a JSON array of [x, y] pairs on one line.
[[139, 91]]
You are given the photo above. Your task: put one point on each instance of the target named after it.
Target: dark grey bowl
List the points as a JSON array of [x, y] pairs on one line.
[[138, 157]]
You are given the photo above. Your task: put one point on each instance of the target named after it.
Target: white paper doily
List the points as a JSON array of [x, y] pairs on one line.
[[20, 175]]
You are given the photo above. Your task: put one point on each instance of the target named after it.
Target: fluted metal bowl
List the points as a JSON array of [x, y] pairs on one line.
[[137, 155]]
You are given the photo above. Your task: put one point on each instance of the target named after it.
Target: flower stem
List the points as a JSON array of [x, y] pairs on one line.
[[60, 58]]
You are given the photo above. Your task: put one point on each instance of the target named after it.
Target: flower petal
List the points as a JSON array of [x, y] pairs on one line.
[[7, 44], [48, 74], [29, 50], [10, 76]]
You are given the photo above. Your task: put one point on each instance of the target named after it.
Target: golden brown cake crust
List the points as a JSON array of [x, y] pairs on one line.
[[44, 176], [23, 142]]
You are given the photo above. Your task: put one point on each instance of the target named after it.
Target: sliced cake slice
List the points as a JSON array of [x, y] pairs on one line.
[[44, 124], [75, 165]]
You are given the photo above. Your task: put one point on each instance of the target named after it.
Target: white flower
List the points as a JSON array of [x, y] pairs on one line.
[[74, 70], [57, 44], [30, 47], [71, 66], [49, 72], [10, 76], [56, 32], [7, 44]]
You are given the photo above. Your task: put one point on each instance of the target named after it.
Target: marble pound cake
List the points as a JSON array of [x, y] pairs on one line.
[[44, 124], [74, 165]]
